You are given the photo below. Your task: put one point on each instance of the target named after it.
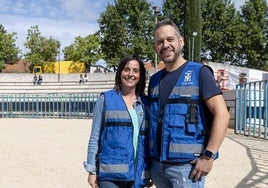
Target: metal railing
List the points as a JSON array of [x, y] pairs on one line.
[[55, 105], [251, 110]]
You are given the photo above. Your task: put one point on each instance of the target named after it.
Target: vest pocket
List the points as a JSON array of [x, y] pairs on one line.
[[116, 144], [177, 115], [115, 168], [176, 120], [180, 117]]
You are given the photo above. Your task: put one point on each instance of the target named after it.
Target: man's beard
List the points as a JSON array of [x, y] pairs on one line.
[[173, 60]]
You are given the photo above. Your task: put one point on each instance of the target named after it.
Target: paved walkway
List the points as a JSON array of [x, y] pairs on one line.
[[48, 153], [243, 163]]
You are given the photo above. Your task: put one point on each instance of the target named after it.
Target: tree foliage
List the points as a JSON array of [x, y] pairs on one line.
[[255, 33], [85, 49], [221, 30], [8, 51], [175, 11], [126, 28], [187, 16], [41, 49], [192, 29], [227, 34]]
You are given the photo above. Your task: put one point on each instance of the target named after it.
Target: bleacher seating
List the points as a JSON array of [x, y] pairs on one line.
[[55, 87]]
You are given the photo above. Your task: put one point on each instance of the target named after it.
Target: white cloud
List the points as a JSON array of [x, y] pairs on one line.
[[62, 20]]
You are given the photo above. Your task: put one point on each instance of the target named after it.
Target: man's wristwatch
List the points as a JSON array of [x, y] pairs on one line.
[[209, 154]]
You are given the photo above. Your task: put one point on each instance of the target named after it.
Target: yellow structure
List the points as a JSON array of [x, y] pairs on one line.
[[63, 67], [37, 70]]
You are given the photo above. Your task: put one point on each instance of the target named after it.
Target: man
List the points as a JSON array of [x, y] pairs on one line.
[[188, 115]]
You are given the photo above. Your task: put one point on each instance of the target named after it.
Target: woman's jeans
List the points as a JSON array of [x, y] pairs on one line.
[[174, 176]]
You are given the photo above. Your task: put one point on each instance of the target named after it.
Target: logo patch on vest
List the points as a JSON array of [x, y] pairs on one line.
[[188, 76]]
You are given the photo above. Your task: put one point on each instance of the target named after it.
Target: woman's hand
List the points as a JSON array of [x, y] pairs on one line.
[[92, 180]]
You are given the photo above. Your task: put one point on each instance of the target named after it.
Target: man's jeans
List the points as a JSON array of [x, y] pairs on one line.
[[173, 176]]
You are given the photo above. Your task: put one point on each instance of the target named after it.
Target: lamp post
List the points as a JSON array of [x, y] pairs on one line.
[[189, 47], [194, 35], [157, 10]]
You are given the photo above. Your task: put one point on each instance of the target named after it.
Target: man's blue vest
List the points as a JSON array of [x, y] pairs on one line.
[[115, 160], [181, 120]]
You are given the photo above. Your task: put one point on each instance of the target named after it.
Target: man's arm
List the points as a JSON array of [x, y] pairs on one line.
[[217, 106]]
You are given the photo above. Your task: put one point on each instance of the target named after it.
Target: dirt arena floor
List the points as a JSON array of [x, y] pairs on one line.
[[43, 153], [49, 153]]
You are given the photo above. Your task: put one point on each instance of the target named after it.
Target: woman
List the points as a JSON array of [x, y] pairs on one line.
[[117, 149]]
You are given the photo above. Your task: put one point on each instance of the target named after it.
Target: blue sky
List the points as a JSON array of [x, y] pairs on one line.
[[61, 19]]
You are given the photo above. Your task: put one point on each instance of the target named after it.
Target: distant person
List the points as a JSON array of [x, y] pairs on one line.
[[35, 79], [81, 79], [40, 79], [220, 78], [203, 61], [85, 78]]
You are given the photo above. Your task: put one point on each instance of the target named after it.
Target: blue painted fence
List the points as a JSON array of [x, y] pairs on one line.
[[62, 106], [251, 109]]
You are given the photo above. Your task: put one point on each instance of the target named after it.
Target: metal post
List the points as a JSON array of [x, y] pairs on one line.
[[194, 35], [189, 46], [156, 11], [59, 66], [155, 55], [193, 50]]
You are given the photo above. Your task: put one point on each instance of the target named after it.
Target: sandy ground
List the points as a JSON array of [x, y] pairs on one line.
[[43, 153], [49, 153]]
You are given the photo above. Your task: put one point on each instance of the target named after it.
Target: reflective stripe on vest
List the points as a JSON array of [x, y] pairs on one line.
[[114, 168], [117, 114], [184, 91], [186, 148]]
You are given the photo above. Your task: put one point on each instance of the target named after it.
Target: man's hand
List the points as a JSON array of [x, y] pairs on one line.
[[203, 165]]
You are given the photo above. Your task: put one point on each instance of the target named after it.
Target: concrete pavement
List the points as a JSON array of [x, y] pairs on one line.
[[243, 163]]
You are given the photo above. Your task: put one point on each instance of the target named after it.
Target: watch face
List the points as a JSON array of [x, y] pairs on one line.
[[209, 154]]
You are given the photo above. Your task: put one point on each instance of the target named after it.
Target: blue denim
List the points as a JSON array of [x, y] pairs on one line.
[[173, 176], [90, 164]]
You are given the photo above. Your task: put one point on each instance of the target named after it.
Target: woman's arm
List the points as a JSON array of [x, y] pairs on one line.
[[90, 164]]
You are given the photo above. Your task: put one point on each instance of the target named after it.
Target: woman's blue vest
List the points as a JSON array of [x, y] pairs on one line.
[[115, 158], [181, 120]]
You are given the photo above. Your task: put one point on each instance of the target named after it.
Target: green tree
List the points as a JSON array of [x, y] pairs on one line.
[[126, 28], [175, 11], [8, 51], [85, 50], [41, 49], [221, 30], [226, 34], [255, 33], [193, 32], [187, 16]]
